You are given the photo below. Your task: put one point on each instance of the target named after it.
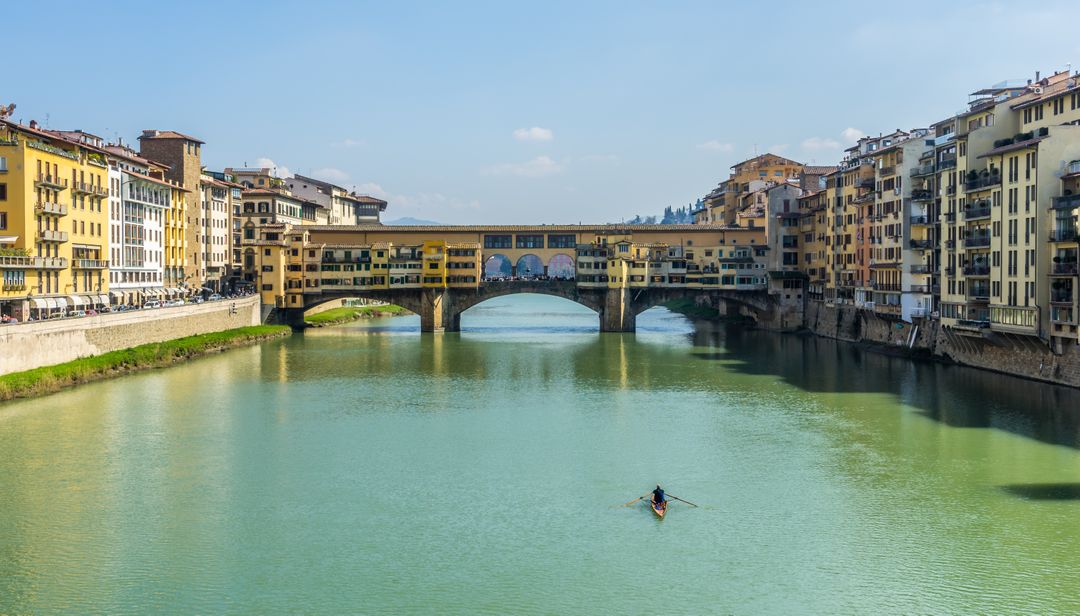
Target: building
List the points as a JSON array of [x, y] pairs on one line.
[[723, 204], [139, 202], [214, 231], [342, 207], [54, 221], [182, 155]]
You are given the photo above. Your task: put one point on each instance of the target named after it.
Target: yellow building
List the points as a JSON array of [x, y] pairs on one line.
[[54, 225], [722, 205]]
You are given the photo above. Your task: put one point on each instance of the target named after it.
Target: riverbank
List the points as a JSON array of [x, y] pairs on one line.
[[348, 314], [50, 379]]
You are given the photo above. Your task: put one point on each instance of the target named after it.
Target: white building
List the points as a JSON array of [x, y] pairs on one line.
[[138, 198], [214, 230], [344, 207]]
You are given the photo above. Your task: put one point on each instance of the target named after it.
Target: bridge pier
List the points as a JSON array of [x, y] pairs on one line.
[[617, 314], [437, 313]]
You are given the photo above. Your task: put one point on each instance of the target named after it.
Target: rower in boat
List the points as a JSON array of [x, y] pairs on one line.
[[659, 503]]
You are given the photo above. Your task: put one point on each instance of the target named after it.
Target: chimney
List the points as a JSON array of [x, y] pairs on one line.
[[33, 124], [1036, 75]]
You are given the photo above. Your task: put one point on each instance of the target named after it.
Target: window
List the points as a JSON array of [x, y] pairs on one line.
[[530, 241], [561, 241], [497, 241], [3, 220]]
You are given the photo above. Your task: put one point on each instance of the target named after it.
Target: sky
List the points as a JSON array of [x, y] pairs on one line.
[[519, 112]]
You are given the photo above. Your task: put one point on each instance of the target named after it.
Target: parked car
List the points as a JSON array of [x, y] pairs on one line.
[[214, 297], [152, 304], [197, 299], [77, 313]]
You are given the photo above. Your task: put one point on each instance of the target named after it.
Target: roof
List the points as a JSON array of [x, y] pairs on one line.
[[767, 154], [125, 152], [167, 134], [819, 169], [368, 199], [1019, 145]]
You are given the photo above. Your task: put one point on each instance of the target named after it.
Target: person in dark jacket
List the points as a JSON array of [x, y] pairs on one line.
[[658, 495]]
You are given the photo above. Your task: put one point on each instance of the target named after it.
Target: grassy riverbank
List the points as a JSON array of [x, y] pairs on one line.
[[346, 314], [50, 379]]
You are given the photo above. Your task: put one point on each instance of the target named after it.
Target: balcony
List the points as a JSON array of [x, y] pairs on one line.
[[919, 288], [1061, 296], [950, 244], [920, 220], [950, 216], [89, 264], [1063, 235], [920, 269], [886, 171], [882, 308], [978, 293], [921, 244], [49, 235], [885, 286], [973, 323], [977, 210], [948, 162], [866, 183], [1068, 202], [1062, 314], [46, 207], [45, 180], [922, 170], [13, 286], [977, 241], [950, 271], [950, 189], [42, 263], [976, 270], [1064, 269], [921, 194], [983, 183]]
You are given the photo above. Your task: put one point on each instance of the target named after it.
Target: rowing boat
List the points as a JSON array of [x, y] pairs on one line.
[[660, 509]]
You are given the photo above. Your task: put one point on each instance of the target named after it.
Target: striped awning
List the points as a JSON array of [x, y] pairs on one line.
[[75, 301], [116, 295], [61, 303], [39, 303]]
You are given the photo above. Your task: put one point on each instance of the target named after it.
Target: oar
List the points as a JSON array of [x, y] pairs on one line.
[[634, 501], [678, 499]]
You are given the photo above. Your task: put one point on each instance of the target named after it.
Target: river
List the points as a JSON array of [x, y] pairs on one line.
[[371, 469]]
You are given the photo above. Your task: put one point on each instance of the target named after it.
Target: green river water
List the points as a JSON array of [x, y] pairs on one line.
[[371, 469]]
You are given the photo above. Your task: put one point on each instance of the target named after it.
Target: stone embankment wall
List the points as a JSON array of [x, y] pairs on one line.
[[1007, 353], [32, 345]]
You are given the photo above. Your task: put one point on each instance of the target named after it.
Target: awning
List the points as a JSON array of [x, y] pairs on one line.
[[116, 295], [75, 301], [50, 303], [39, 304], [153, 292], [103, 300], [61, 303], [90, 300]]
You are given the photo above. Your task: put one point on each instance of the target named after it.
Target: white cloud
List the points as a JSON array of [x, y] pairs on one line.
[[538, 167], [851, 135], [821, 143], [716, 146], [534, 134], [348, 143], [276, 170], [330, 174]]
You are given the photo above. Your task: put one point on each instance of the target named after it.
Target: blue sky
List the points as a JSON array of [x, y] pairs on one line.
[[548, 112]]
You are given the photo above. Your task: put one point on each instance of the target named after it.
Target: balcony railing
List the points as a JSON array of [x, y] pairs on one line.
[[89, 264], [977, 241], [950, 189], [46, 207], [48, 235], [922, 170], [919, 288], [1064, 269], [884, 286], [983, 182], [1063, 235], [1067, 202], [1062, 314], [950, 216], [977, 211], [976, 270], [921, 194], [921, 244], [14, 286], [946, 163], [920, 220], [978, 293], [920, 269], [49, 263], [974, 323], [51, 181], [884, 171], [866, 183]]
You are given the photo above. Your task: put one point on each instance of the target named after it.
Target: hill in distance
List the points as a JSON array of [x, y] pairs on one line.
[[410, 221]]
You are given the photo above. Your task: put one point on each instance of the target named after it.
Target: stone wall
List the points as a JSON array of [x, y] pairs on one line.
[[1016, 355], [32, 345]]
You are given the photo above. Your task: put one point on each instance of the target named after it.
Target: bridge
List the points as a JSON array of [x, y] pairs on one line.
[[438, 272]]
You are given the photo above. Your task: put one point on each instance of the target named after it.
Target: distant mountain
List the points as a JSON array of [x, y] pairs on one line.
[[410, 221]]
